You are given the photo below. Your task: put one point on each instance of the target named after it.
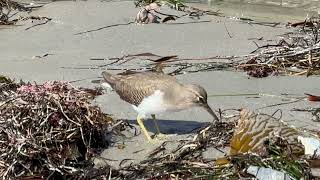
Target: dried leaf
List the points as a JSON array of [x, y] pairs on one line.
[[254, 129], [168, 18], [313, 97], [4, 79]]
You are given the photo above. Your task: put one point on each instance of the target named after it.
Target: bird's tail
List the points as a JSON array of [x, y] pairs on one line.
[[111, 79]]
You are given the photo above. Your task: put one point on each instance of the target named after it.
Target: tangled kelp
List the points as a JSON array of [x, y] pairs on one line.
[[49, 130], [298, 53], [12, 5], [175, 4], [187, 160], [6, 7]]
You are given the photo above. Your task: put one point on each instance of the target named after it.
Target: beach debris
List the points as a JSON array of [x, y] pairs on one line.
[[175, 4], [313, 97], [311, 145], [256, 71], [141, 3], [10, 8], [5, 80], [43, 20], [147, 14], [263, 173], [254, 130], [12, 5], [151, 12], [50, 130], [297, 53], [6, 8], [168, 18], [187, 160], [266, 136], [144, 16], [53, 139], [177, 65], [315, 112], [312, 151], [42, 56], [316, 115], [309, 22]]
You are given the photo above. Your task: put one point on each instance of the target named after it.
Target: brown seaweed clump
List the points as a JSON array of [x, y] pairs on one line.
[[297, 53], [255, 140], [49, 130], [6, 7]]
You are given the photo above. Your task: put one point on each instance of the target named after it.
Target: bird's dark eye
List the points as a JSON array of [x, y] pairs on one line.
[[201, 100]]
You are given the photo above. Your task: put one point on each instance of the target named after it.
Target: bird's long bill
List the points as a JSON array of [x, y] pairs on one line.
[[210, 111]]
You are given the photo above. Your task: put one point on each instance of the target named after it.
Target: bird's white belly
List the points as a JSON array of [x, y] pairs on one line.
[[153, 104], [106, 85]]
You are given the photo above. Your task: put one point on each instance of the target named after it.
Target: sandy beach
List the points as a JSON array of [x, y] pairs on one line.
[[54, 51]]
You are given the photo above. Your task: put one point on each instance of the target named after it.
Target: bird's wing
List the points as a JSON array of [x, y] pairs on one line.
[[132, 88]]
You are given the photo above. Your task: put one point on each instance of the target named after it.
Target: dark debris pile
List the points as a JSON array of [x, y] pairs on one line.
[[6, 9], [52, 131], [298, 53], [49, 130], [186, 160]]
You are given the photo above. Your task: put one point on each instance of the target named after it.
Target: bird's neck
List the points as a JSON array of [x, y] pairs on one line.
[[178, 97]]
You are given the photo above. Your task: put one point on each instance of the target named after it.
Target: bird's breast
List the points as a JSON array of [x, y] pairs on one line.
[[153, 104]]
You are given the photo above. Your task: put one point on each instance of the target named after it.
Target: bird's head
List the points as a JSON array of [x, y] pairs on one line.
[[198, 96]]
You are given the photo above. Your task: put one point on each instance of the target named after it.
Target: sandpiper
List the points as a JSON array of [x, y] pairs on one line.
[[153, 93]]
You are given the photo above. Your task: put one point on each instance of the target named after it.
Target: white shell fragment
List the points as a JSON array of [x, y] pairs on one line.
[[262, 173], [146, 15], [311, 145]]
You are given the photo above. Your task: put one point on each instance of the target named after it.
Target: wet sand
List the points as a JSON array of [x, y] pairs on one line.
[[264, 10], [19, 48]]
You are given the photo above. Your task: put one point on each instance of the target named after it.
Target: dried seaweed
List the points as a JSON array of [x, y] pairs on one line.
[[6, 7], [12, 5], [175, 4], [297, 53], [52, 131], [187, 160], [49, 130], [44, 19], [316, 115], [176, 64]]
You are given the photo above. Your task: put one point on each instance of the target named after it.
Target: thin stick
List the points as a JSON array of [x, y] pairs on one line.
[[47, 20], [105, 27], [64, 114], [280, 104], [227, 30]]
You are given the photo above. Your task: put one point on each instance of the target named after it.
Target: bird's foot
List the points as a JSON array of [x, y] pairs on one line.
[[160, 136], [155, 141]]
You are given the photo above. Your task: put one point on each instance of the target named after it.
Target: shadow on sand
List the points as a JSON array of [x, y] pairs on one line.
[[179, 127]]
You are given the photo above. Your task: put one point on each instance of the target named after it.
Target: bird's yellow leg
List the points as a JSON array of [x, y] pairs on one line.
[[159, 134], [155, 123], [144, 130]]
